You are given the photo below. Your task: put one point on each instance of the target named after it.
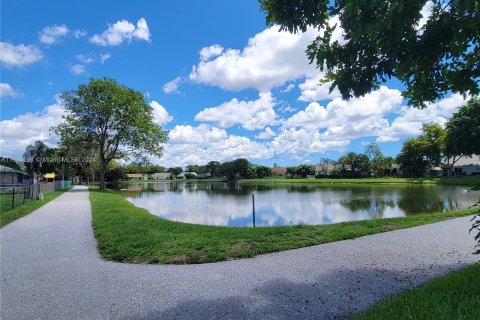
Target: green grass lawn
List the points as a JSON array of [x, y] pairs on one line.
[[130, 234], [454, 296], [466, 181], [31, 205], [6, 199]]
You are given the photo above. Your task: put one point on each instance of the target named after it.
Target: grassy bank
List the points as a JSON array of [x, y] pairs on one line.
[[30, 206], [129, 234], [462, 181], [454, 296]]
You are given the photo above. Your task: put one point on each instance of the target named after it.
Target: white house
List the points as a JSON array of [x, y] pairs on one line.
[[161, 176], [136, 176], [467, 166], [324, 168]]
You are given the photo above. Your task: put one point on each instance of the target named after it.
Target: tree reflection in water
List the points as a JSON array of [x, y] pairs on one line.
[[222, 203]]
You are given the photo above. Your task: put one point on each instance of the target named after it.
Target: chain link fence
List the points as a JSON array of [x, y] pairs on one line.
[[17, 195]]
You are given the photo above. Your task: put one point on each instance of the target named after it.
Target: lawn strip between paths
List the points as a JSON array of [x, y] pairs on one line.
[[126, 233]]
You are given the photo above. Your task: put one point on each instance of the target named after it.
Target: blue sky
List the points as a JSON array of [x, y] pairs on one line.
[[223, 83]]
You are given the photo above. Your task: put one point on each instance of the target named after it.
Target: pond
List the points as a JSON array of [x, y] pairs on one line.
[[230, 204]]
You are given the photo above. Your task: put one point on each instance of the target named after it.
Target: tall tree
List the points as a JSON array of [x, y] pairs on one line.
[[413, 158], [435, 136], [212, 167], [303, 170], [377, 160], [175, 170], [196, 168], [263, 172], [113, 117], [35, 156], [385, 39], [388, 165], [81, 153], [358, 163], [463, 130], [239, 168], [421, 153]]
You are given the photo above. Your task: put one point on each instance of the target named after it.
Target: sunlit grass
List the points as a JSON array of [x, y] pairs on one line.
[[130, 234]]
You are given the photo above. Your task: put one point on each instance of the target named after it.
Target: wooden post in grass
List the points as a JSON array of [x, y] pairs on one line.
[[13, 197], [253, 212]]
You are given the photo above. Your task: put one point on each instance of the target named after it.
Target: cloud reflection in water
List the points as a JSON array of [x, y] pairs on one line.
[[225, 204]]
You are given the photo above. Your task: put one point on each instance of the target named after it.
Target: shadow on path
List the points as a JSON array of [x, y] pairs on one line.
[[336, 295]]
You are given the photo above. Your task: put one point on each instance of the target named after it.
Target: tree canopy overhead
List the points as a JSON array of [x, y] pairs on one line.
[[385, 39], [113, 118]]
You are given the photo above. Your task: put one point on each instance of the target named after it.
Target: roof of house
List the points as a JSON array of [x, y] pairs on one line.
[[161, 174], [10, 170], [465, 161], [135, 175], [188, 172], [324, 166], [278, 169]]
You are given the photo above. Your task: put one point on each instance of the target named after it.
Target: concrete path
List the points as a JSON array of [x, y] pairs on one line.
[[50, 269]]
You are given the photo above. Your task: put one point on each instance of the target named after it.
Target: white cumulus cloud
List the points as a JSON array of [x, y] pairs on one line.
[[19, 55], [299, 143], [85, 59], [26, 128], [121, 31], [409, 122], [210, 52], [6, 91], [172, 86], [351, 117], [270, 59], [160, 114], [251, 115], [266, 134], [53, 34], [312, 90], [204, 143], [79, 33], [426, 13], [104, 57], [78, 69]]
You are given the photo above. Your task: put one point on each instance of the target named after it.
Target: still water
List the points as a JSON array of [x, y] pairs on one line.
[[229, 204]]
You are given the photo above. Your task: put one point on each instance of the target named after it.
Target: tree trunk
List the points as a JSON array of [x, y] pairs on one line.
[[103, 169]]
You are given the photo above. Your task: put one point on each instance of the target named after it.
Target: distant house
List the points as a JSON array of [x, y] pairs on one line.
[[161, 176], [136, 176], [9, 176], [184, 175], [396, 169], [324, 168], [279, 171], [465, 166]]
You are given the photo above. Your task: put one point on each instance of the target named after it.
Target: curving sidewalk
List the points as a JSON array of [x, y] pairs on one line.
[[50, 269]]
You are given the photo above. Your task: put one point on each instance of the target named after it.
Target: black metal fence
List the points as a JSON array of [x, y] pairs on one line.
[[17, 195]]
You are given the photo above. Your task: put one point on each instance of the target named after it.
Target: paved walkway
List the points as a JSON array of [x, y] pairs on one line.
[[50, 269]]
